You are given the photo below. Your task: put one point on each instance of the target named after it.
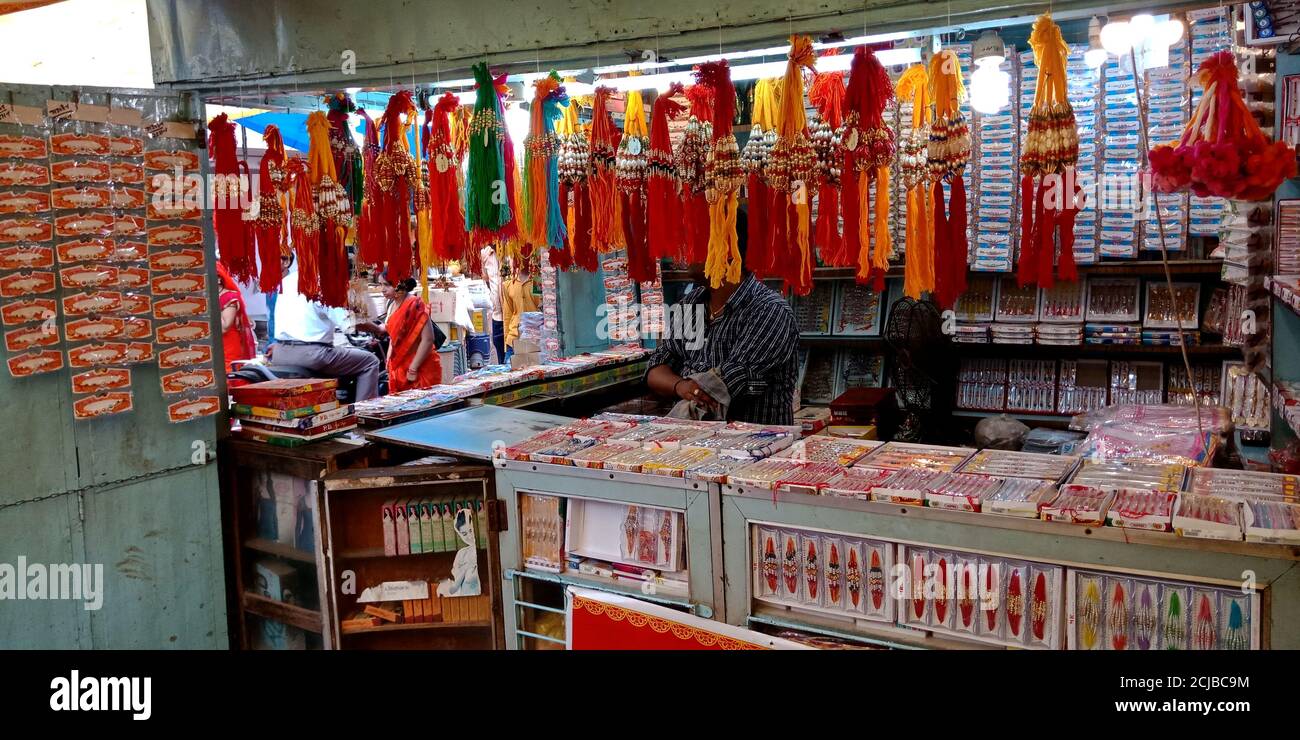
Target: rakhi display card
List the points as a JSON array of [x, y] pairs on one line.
[[833, 593], [857, 310], [767, 563], [812, 586]]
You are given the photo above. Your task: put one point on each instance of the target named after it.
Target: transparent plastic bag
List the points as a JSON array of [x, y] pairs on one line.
[[1000, 432]]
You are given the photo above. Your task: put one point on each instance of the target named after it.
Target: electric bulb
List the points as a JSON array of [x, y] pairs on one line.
[[1169, 32], [1141, 27], [1115, 38], [990, 87], [1094, 58]]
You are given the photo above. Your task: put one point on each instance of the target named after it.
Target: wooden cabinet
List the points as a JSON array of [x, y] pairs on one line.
[[354, 513], [278, 544]]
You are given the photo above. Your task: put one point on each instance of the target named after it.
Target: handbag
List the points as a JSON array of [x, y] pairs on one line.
[[439, 338]]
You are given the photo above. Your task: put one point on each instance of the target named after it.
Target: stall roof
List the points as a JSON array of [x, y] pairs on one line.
[[329, 44]]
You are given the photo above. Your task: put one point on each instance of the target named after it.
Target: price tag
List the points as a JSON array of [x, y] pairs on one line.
[[60, 111], [7, 113], [156, 129]]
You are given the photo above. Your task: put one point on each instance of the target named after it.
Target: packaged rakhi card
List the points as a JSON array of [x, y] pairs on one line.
[[1078, 504], [1021, 497], [907, 486], [898, 455], [961, 491], [821, 448], [1012, 464], [1209, 517], [1142, 509], [809, 478]]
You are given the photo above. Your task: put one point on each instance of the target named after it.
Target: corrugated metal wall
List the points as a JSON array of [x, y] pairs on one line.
[[62, 500]]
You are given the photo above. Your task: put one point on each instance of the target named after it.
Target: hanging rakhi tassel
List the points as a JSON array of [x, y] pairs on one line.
[[724, 175], [1047, 162], [304, 228], [487, 213], [692, 166], [575, 191], [606, 208], [237, 253], [827, 95], [342, 145], [541, 147], [792, 169], [947, 155], [867, 147], [420, 201], [268, 228], [446, 221], [630, 178], [1222, 151], [396, 177], [663, 205], [914, 170], [759, 257], [333, 213], [370, 236]]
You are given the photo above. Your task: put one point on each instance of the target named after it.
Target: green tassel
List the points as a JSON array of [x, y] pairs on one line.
[[486, 159]]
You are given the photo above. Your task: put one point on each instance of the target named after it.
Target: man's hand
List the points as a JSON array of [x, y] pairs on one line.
[[689, 390]]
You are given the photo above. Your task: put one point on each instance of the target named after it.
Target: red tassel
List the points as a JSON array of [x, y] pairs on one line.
[[584, 256], [697, 228], [779, 249], [850, 246], [1027, 270], [369, 233], [827, 234], [942, 277], [268, 227], [640, 266], [333, 269], [958, 245], [1045, 237], [236, 251], [1068, 270]]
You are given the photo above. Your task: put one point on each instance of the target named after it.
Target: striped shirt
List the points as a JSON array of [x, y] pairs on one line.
[[753, 345]]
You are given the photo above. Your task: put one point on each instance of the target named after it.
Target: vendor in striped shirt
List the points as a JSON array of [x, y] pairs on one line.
[[750, 341]]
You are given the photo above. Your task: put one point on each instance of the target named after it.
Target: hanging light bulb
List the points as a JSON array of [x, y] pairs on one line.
[[1146, 35], [990, 87], [1095, 56], [1115, 38]]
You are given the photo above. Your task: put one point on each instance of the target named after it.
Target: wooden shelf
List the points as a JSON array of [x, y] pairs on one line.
[[279, 611], [403, 627], [1027, 415], [288, 552], [1203, 351], [836, 341], [368, 553], [1184, 268]]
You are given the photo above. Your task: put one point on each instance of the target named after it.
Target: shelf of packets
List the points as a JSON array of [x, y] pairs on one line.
[[1095, 310], [1029, 387], [1286, 288], [1286, 401], [291, 412], [991, 599], [842, 308], [1189, 501], [827, 373], [490, 379]]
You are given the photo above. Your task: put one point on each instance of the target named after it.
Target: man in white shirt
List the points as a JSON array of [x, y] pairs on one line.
[[304, 336], [492, 276]]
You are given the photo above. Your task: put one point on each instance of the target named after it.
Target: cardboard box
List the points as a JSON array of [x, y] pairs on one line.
[[401, 528], [413, 526], [390, 534], [442, 306]]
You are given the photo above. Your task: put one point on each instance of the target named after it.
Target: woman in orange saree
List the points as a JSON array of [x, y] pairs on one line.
[[412, 359]]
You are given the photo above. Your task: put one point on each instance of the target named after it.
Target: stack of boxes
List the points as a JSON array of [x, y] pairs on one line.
[[996, 174], [291, 412], [1210, 30], [1121, 157], [422, 525]]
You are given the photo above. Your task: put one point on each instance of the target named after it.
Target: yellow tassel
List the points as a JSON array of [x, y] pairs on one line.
[[723, 261], [884, 247], [864, 225]]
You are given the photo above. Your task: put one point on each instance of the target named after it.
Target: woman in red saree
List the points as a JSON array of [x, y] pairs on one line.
[[412, 360], [237, 338]]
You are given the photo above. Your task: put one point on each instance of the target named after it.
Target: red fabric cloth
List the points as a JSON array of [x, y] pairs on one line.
[[404, 325], [238, 341]]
